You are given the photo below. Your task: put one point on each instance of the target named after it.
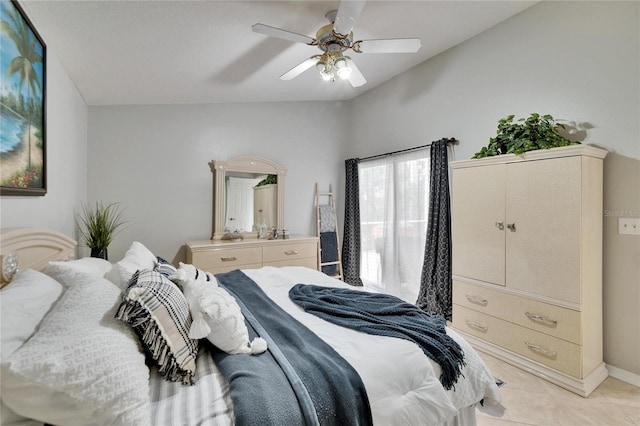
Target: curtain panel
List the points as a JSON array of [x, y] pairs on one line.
[[351, 237], [435, 295]]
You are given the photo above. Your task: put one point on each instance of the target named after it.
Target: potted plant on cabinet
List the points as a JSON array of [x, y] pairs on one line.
[[535, 132], [97, 226]]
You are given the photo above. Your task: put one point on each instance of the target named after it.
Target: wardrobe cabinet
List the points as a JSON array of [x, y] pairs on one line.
[[265, 205], [527, 261]]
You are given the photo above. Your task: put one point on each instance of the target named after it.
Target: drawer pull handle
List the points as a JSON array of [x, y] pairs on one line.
[[541, 319], [477, 300], [228, 258], [291, 252], [541, 350], [500, 225], [477, 326]]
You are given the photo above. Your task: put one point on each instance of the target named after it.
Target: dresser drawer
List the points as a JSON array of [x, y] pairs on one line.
[[227, 259], [288, 252], [548, 350], [308, 262], [548, 319]]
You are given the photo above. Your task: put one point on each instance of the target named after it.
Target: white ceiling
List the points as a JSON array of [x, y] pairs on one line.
[[172, 52]]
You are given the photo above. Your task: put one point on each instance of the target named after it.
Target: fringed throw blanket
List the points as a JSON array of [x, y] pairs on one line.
[[299, 380], [384, 315]]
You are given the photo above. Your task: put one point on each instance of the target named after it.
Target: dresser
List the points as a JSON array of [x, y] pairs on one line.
[[218, 256], [527, 261]]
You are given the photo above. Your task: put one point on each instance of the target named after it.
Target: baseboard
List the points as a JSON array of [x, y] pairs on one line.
[[624, 375]]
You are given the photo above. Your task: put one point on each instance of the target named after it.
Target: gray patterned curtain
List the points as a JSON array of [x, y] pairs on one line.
[[351, 237], [435, 284]]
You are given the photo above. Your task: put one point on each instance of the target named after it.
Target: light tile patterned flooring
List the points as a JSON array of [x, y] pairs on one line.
[[533, 401]]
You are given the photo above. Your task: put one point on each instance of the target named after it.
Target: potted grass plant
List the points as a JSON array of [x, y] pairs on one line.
[[97, 226]]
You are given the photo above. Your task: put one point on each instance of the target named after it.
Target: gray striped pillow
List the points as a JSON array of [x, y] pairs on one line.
[[159, 313]]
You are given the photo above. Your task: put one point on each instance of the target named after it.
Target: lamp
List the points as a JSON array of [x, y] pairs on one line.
[[332, 64], [342, 67]]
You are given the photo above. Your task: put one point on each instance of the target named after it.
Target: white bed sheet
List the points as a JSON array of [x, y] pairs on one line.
[[401, 382]]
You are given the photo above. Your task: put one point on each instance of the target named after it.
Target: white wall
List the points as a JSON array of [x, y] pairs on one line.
[[574, 60], [154, 161], [66, 150]]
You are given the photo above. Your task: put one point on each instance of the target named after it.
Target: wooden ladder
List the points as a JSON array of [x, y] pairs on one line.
[[333, 265]]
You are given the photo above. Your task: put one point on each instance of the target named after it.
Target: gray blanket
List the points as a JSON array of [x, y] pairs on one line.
[[299, 380], [384, 315]]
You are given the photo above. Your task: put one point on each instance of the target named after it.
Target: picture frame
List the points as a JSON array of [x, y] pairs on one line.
[[23, 77]]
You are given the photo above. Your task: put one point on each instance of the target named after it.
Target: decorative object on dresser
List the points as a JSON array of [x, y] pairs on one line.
[[98, 225], [527, 261]]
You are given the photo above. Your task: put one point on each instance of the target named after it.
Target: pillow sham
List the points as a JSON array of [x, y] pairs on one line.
[[138, 257], [158, 312], [23, 304], [217, 316], [165, 267], [82, 366], [88, 265]]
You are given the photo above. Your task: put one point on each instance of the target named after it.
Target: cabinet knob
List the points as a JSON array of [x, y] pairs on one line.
[[500, 225], [511, 227]]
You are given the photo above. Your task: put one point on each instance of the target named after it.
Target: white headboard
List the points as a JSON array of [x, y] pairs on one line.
[[33, 248]]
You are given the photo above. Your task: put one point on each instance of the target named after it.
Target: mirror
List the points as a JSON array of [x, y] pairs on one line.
[[244, 195]]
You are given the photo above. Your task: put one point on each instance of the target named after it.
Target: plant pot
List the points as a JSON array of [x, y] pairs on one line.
[[99, 253]]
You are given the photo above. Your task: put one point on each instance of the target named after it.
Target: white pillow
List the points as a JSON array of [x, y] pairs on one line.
[[217, 316], [23, 304], [137, 258], [187, 271], [82, 366], [89, 265]]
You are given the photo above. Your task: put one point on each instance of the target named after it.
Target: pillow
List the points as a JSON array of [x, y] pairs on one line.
[[165, 267], [23, 304], [188, 271], [82, 366], [217, 316], [158, 311], [88, 265], [138, 257]]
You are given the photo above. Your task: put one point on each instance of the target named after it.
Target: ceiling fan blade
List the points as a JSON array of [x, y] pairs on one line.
[[391, 45], [347, 16], [300, 68], [283, 34], [356, 78]]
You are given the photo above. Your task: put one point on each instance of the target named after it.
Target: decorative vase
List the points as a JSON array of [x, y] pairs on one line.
[[100, 253]]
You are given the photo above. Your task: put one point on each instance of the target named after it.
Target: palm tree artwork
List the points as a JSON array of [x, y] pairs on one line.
[[21, 99]]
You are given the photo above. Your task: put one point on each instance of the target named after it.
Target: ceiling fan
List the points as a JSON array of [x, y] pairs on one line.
[[334, 40]]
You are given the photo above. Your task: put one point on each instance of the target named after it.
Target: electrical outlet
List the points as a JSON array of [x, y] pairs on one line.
[[630, 226]]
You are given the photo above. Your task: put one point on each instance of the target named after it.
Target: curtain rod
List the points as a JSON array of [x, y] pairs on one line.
[[450, 141]]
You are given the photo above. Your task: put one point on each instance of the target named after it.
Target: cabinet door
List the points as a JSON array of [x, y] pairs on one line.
[[543, 251], [478, 211]]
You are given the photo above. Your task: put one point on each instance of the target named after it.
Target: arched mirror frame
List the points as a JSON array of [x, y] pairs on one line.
[[243, 164]]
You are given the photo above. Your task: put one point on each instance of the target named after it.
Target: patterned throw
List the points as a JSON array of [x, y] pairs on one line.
[[384, 315], [158, 312]]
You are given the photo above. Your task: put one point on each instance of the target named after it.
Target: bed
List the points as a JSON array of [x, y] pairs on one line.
[[67, 360]]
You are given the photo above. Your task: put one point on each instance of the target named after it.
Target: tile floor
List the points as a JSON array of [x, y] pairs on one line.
[[533, 401]]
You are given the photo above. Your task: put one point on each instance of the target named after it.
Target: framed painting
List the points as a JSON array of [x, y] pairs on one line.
[[22, 104]]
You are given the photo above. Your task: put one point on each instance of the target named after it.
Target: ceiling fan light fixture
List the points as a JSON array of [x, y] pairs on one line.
[[342, 67]]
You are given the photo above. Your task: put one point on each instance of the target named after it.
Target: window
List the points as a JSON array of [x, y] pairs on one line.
[[394, 204]]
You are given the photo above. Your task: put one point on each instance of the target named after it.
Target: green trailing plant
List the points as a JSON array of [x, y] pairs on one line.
[[269, 180], [98, 224], [535, 132]]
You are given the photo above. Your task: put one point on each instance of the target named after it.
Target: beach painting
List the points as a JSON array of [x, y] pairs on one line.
[[22, 104]]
